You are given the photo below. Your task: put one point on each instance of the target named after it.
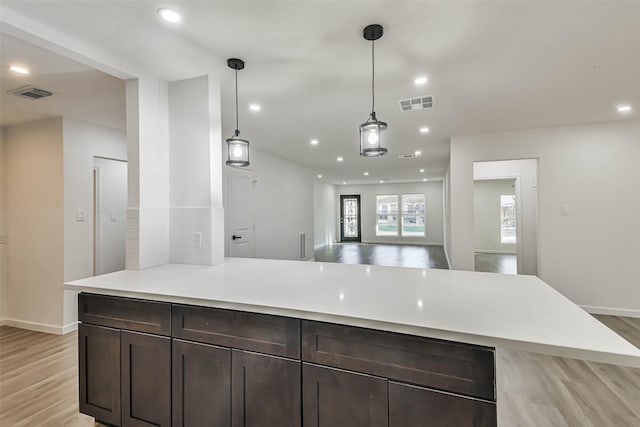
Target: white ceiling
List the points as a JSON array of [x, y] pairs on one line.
[[491, 66], [79, 92]]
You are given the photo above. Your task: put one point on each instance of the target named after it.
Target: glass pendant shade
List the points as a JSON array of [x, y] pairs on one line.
[[371, 137], [371, 130], [237, 148], [237, 151]]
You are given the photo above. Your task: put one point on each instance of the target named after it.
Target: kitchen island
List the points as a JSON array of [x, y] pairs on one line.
[[268, 342]]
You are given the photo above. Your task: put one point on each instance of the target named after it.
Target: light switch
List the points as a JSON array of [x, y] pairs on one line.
[[80, 215], [113, 218], [564, 210], [197, 239]]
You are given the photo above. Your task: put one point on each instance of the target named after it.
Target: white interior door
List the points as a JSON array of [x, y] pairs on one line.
[[241, 213], [110, 214]]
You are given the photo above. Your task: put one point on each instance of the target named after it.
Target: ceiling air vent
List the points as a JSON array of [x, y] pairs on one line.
[[407, 156], [31, 92], [419, 103]]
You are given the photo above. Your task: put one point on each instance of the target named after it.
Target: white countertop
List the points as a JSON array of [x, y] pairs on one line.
[[517, 312]]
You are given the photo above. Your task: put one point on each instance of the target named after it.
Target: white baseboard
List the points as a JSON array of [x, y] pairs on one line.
[[69, 327], [611, 311], [39, 327], [490, 251], [382, 242]]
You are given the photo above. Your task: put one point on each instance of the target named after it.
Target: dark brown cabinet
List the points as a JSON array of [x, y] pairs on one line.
[[99, 372], [333, 397], [148, 363], [146, 380], [201, 385], [413, 406], [265, 390]]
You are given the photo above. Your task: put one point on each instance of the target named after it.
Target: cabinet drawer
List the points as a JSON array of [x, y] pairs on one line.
[[262, 333], [443, 365], [125, 313], [410, 406]]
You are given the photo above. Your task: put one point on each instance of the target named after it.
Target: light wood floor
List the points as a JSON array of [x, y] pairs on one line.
[[39, 384]]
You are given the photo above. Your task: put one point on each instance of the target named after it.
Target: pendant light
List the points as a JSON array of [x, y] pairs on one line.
[[237, 148], [371, 130]]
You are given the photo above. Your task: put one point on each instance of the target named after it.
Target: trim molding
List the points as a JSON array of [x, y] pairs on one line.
[[611, 311], [446, 255], [490, 251], [38, 327], [400, 242], [69, 327]]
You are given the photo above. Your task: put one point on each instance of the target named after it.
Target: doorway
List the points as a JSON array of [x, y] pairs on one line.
[[512, 229], [109, 214], [350, 218], [495, 225], [241, 213]]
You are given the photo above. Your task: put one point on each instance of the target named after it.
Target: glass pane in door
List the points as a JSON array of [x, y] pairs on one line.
[[350, 218]]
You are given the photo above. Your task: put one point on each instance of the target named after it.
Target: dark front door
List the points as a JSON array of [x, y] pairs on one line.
[[350, 218]]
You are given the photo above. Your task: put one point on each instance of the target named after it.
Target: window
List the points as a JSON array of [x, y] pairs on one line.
[[508, 218], [413, 214], [387, 215]]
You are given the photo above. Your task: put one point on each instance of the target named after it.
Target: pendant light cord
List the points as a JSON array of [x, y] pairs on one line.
[[373, 78], [237, 127]]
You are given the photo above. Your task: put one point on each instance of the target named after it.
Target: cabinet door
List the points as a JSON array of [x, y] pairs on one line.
[[414, 406], [146, 380], [332, 397], [99, 372], [265, 390], [201, 385]]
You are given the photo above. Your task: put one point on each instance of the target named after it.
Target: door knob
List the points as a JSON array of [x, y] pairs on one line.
[[234, 237]]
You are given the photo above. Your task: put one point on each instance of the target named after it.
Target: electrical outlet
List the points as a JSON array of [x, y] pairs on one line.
[[3, 239], [564, 210], [197, 239], [80, 215]]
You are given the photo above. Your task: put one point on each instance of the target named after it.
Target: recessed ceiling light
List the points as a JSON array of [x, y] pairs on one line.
[[417, 153], [424, 129], [344, 183], [366, 174], [169, 15], [339, 159], [18, 69], [314, 142], [381, 181], [420, 80], [624, 108], [424, 179], [421, 170], [254, 107], [319, 176]]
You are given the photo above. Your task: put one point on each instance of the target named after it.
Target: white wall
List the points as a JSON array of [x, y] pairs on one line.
[[283, 206], [324, 213], [34, 225], [3, 214], [195, 146], [81, 142], [148, 178], [486, 215], [590, 255], [446, 213], [433, 213]]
